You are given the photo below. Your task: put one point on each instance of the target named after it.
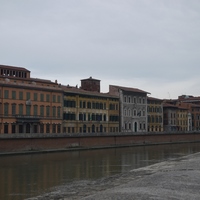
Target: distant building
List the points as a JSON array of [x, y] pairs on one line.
[[155, 114], [86, 110], [28, 105], [133, 108], [170, 117], [193, 105]]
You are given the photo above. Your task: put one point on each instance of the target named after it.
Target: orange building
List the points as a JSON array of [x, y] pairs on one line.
[[28, 105]]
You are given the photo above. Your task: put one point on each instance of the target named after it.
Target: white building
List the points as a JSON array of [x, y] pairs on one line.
[[133, 108]]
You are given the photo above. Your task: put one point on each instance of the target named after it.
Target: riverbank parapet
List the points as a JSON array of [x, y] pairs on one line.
[[35, 142]]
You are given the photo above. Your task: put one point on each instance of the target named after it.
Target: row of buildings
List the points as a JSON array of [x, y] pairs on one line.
[[33, 105]]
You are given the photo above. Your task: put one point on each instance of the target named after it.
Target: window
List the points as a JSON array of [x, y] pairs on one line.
[[80, 116], [41, 128], [35, 110], [129, 112], [125, 99], [42, 111], [54, 128], [88, 105], [28, 110], [144, 126], [5, 128], [28, 96], [54, 98], [125, 125], [80, 104], [41, 97], [6, 94], [70, 103], [20, 109], [93, 105], [13, 94], [125, 112], [54, 111], [58, 112], [47, 97], [47, 111], [35, 96], [47, 128], [20, 95], [6, 106], [13, 109], [13, 128], [69, 116]]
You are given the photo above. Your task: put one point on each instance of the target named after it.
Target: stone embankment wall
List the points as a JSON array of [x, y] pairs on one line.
[[30, 143]]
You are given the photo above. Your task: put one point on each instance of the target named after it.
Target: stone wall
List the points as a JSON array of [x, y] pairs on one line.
[[30, 143]]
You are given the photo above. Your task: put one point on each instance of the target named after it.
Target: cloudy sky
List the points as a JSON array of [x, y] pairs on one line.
[[153, 45]]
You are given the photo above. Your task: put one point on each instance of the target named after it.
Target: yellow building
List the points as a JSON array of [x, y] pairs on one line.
[[155, 114], [28, 105], [182, 118], [87, 111]]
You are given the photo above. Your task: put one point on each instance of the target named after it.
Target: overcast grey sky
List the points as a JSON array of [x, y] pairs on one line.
[[153, 45]]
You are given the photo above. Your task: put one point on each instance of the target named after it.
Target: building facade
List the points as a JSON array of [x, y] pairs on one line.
[[28, 105], [133, 108], [155, 114], [170, 117], [89, 111]]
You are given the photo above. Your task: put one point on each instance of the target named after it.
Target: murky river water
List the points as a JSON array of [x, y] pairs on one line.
[[23, 176]]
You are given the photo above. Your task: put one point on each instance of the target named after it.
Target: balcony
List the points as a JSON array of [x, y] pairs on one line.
[[27, 118]]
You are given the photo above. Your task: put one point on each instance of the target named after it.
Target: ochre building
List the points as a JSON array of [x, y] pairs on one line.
[[155, 114], [28, 105], [86, 110]]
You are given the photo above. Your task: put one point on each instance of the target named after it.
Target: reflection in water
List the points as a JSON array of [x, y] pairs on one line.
[[23, 176]]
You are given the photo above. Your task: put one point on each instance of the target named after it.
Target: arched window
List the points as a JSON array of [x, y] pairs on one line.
[[125, 112], [144, 126], [129, 112], [135, 112]]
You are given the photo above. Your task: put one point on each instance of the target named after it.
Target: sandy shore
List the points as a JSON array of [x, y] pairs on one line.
[[170, 180]]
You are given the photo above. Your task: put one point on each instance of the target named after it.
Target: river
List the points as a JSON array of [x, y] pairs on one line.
[[24, 176]]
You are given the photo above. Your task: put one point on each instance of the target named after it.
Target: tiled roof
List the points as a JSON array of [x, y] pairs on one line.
[[130, 89], [90, 78], [169, 105], [154, 99], [13, 68], [77, 90]]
